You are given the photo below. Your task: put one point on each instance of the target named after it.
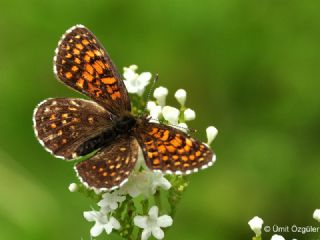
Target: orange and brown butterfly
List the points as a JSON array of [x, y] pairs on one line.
[[70, 127]]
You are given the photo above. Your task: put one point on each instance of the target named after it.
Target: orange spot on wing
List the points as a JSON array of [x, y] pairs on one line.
[[74, 68], [171, 149], [175, 142], [68, 75], [109, 80], [76, 51], [90, 53], [153, 131], [77, 60], [85, 41], [87, 76], [79, 45], [89, 69], [87, 58], [79, 83], [97, 67], [188, 142], [165, 135], [162, 149], [115, 95], [109, 89], [187, 148], [98, 53], [184, 158], [156, 161]]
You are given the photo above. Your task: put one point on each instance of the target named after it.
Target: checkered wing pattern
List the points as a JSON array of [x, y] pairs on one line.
[[62, 125], [111, 166], [82, 63], [170, 150]]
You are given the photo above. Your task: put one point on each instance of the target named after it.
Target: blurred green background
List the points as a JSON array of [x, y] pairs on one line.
[[251, 68]]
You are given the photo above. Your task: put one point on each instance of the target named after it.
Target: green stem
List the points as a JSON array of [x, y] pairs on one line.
[[157, 200]]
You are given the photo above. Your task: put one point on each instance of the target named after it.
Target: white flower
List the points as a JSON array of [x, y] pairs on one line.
[[160, 94], [181, 96], [138, 183], [102, 222], [145, 183], [211, 134], [277, 237], [154, 110], [316, 215], [171, 114], [152, 224], [158, 180], [189, 114], [110, 201], [134, 82], [73, 187], [256, 225]]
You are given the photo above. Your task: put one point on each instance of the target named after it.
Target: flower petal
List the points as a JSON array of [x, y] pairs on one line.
[[165, 221], [153, 212], [90, 215], [96, 230], [140, 221], [157, 233], [115, 223], [146, 233], [112, 224], [144, 78]]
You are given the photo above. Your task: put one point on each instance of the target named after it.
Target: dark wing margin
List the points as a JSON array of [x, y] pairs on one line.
[[82, 63], [169, 150], [111, 166], [62, 124]]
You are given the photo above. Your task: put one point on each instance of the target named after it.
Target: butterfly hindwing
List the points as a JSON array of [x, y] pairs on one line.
[[62, 125], [111, 166], [170, 150], [82, 63]]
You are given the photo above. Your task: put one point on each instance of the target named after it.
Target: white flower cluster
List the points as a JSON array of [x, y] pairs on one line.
[[142, 181], [103, 218]]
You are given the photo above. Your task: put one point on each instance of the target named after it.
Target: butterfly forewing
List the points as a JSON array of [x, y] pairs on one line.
[[111, 166], [63, 124], [82, 63], [170, 150]]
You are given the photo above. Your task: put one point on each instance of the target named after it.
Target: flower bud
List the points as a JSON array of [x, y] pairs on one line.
[[211, 134], [181, 96], [256, 225], [189, 114], [73, 187], [171, 114], [160, 94]]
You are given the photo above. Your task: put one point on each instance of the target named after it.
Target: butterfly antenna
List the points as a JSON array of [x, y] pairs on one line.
[[150, 91]]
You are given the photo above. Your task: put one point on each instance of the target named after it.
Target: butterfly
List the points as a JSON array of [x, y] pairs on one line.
[[71, 127]]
